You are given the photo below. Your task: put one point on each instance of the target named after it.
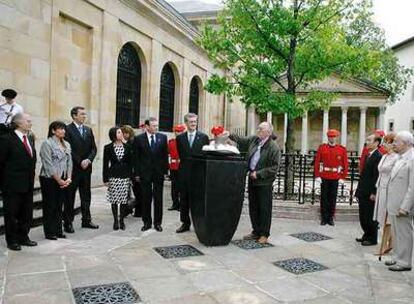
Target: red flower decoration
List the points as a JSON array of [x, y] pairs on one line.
[[217, 130]]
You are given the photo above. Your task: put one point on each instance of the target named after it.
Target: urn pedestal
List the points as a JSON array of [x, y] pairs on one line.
[[216, 196]]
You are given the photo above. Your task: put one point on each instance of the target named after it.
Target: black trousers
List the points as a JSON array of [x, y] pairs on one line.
[[81, 181], [152, 189], [260, 209], [52, 200], [368, 225], [136, 188], [329, 192], [175, 193], [18, 215], [185, 202]]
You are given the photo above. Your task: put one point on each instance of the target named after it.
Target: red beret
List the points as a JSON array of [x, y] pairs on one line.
[[179, 128], [380, 132], [217, 130], [332, 133]]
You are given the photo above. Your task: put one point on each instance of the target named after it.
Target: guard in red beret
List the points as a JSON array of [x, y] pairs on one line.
[[174, 166], [331, 165], [365, 152]]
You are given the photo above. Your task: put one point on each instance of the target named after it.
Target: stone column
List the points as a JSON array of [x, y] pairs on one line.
[[344, 126], [362, 126], [304, 146], [251, 124], [381, 118], [269, 117], [285, 130], [325, 125]]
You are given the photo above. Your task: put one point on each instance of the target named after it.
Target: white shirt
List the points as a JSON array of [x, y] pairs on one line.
[[20, 135], [6, 107], [149, 138]]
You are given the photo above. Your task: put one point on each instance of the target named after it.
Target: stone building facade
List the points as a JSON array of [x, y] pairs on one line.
[[124, 60]]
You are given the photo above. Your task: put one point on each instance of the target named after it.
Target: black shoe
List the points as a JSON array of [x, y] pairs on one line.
[[51, 237], [173, 208], [28, 243], [15, 247], [323, 223], [399, 268], [68, 228], [359, 240], [368, 243], [90, 225], [390, 263], [116, 225], [183, 228], [122, 225], [61, 236], [146, 227], [158, 228], [331, 223]]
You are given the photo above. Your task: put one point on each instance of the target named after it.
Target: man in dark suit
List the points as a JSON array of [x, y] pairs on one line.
[[83, 147], [188, 144], [150, 150], [17, 163], [366, 192]]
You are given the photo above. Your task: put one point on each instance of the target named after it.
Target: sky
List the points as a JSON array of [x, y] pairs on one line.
[[396, 17]]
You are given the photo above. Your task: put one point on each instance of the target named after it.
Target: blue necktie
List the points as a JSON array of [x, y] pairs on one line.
[[191, 139], [152, 143], [81, 130]]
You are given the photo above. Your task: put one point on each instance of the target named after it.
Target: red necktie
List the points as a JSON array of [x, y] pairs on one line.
[[26, 145]]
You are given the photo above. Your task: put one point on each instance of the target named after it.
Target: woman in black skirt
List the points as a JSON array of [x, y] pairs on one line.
[[117, 173], [55, 176]]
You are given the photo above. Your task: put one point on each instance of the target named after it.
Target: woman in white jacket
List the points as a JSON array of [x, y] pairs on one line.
[[384, 168]]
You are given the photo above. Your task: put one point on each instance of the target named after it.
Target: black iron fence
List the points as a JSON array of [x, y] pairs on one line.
[[303, 187]]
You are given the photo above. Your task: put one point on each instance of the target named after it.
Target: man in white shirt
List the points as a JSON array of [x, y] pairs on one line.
[[8, 109]]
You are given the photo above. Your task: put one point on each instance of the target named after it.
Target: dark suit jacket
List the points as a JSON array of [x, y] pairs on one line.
[[150, 164], [82, 147], [17, 166], [369, 176], [185, 152], [114, 167]]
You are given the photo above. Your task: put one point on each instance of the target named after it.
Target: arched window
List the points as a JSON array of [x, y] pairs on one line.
[[128, 91], [194, 96], [167, 94]]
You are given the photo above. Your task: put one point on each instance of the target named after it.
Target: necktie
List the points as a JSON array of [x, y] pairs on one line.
[[152, 143], [81, 130], [26, 145], [191, 140]]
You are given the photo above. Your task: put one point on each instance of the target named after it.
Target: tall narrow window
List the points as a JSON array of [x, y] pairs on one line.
[[128, 91], [167, 95], [194, 96]]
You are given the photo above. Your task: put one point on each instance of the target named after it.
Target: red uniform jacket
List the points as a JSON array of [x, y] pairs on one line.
[[173, 152], [364, 155], [331, 162]]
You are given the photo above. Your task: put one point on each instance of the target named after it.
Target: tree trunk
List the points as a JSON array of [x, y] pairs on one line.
[[289, 160]]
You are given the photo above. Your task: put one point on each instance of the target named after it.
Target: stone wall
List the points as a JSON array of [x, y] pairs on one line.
[[62, 53]]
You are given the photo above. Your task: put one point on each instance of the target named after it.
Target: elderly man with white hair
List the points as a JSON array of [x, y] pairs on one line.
[[400, 205], [263, 157]]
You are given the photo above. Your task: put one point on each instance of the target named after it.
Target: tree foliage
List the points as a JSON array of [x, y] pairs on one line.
[[274, 48]]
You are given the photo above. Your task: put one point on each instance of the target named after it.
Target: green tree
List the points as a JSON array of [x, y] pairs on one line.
[[271, 48]]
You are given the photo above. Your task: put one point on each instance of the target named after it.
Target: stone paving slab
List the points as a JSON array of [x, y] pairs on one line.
[[226, 274]]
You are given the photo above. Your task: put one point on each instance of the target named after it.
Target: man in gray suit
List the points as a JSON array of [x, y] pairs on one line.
[[400, 205]]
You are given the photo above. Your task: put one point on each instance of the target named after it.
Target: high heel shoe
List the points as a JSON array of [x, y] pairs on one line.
[[116, 225], [122, 224]]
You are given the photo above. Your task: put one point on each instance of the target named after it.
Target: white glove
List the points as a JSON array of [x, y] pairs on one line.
[[318, 180], [341, 181]]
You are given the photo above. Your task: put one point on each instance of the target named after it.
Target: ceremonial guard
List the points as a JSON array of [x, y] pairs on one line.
[[174, 164], [331, 165]]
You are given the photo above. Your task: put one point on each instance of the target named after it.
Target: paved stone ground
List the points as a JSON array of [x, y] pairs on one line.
[[48, 273]]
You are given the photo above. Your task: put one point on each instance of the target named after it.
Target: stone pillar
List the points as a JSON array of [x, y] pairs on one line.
[[344, 126], [325, 125], [381, 118], [251, 124], [269, 117], [285, 130], [304, 146], [362, 126]]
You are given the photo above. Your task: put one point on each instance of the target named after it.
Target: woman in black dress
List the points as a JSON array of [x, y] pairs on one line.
[[117, 173]]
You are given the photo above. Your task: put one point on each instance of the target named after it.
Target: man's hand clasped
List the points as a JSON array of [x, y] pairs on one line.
[[85, 164]]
